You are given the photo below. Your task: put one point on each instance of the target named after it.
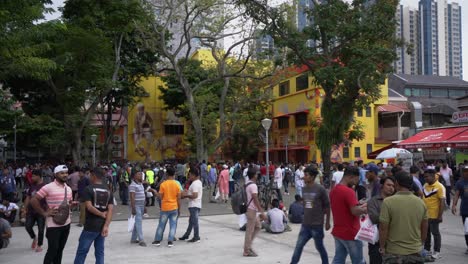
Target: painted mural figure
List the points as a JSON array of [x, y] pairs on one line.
[[143, 131]]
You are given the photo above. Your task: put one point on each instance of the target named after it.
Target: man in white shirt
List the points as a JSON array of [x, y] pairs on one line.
[[446, 173], [299, 179], [194, 194], [8, 210], [279, 181], [337, 176], [19, 177], [244, 173], [276, 219]]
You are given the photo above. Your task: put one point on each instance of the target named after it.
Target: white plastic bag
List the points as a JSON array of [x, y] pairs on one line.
[[368, 232], [466, 226], [217, 194], [131, 223], [242, 220]]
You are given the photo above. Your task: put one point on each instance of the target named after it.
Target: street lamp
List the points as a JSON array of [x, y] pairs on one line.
[[266, 123], [286, 141], [93, 138]]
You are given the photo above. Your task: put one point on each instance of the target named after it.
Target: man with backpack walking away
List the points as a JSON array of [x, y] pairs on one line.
[[253, 206]]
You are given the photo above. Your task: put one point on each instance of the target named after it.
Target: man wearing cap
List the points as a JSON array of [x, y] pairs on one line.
[[373, 188], [54, 194]]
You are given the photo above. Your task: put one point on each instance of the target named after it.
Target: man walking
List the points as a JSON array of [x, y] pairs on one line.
[[98, 201], [32, 216], [434, 198], [169, 193], [278, 181], [253, 224], [462, 193], [346, 211], [316, 207], [54, 194], [137, 207], [403, 224], [194, 194]]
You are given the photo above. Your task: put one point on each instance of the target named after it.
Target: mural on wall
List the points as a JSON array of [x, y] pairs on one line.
[[143, 132], [337, 153]]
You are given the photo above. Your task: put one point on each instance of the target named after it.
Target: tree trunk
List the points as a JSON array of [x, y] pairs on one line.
[[76, 147], [326, 159]]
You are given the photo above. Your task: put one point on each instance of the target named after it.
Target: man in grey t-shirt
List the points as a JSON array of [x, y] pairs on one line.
[[316, 207], [5, 233]]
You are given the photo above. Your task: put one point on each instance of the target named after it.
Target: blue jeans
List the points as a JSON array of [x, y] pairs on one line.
[[306, 233], [299, 190], [165, 215], [137, 233], [351, 247], [193, 223], [86, 239]]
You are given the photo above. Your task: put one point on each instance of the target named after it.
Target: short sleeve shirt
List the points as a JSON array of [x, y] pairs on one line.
[[171, 190], [100, 198], [315, 203], [345, 224], [53, 193], [139, 191], [431, 196], [196, 187], [251, 188]]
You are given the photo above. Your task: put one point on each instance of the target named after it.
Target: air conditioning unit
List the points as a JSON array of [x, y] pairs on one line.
[[116, 154], [117, 138]]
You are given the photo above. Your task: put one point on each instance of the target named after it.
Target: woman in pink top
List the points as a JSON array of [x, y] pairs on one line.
[[223, 183]]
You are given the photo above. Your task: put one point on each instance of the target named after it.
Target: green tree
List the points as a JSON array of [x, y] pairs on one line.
[[348, 49]]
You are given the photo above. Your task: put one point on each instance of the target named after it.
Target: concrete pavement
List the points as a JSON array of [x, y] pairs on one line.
[[221, 242]]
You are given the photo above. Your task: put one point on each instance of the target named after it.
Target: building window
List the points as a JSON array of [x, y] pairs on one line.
[[456, 93], [301, 119], [368, 112], [421, 92], [359, 112], [407, 91], [439, 92], [369, 148], [284, 88], [174, 129], [357, 152], [302, 82], [283, 122], [346, 153]]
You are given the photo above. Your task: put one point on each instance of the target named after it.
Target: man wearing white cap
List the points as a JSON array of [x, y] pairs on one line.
[[58, 197]]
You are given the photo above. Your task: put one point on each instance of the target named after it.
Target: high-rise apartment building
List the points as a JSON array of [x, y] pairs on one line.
[[454, 37], [407, 30]]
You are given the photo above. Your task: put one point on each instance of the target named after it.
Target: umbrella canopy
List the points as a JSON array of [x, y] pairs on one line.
[[391, 153]]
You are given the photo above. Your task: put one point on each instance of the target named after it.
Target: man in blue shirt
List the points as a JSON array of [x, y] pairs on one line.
[[7, 185], [296, 210], [462, 192]]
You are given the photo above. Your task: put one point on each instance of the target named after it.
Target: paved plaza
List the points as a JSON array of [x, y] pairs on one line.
[[221, 242]]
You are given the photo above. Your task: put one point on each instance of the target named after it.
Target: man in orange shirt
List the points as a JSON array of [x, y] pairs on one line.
[[169, 193]]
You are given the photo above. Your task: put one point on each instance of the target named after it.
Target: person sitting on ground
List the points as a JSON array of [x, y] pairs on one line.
[[5, 233], [8, 210], [296, 210], [276, 221]]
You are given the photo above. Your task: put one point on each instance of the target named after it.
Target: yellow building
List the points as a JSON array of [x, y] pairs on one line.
[[296, 104], [153, 133]]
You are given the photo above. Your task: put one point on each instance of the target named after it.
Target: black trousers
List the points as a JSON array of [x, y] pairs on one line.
[[374, 255], [56, 239], [31, 220]]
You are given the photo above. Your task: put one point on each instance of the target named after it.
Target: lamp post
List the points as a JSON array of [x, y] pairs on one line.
[[286, 141], [14, 141], [93, 138], [266, 123]]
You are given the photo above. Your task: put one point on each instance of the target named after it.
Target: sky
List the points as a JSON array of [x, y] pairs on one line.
[[412, 3]]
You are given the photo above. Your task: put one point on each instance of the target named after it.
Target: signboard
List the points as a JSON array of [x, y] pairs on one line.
[[460, 117], [406, 159]]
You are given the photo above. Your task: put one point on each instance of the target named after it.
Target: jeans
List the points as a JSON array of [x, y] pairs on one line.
[[306, 233], [299, 190], [286, 184], [85, 241], [466, 235], [56, 240], [374, 254], [137, 233], [265, 179], [351, 247], [31, 220], [448, 194], [193, 223], [433, 229], [165, 215], [231, 188]]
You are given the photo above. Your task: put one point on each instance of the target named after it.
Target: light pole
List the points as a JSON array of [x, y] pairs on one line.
[[93, 138], [266, 123], [14, 141]]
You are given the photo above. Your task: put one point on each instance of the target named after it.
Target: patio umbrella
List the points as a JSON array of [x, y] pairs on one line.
[[391, 153]]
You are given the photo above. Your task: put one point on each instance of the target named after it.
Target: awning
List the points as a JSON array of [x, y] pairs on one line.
[[393, 108], [289, 148], [432, 138], [306, 111], [459, 141], [375, 153]]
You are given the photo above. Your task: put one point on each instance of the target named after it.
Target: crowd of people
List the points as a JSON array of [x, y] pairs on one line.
[[406, 204]]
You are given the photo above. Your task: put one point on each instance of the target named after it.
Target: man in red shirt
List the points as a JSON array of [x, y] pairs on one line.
[[346, 211]]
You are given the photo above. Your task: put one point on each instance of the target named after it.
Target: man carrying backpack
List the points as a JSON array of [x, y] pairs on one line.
[[99, 204], [253, 224]]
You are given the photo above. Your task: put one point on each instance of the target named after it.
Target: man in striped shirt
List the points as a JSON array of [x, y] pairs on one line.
[[137, 206], [54, 194]]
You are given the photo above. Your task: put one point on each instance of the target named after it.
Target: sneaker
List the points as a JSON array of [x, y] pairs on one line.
[[170, 244], [142, 244], [436, 255], [194, 240], [428, 259], [156, 243], [39, 249], [183, 238], [146, 215], [134, 241], [34, 244]]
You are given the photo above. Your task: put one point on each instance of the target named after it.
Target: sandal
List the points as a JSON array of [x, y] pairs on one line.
[[250, 254]]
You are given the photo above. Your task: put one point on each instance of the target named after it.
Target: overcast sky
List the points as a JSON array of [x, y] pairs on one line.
[[413, 3]]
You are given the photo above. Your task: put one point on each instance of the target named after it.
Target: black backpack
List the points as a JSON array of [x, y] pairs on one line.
[[239, 200], [237, 175]]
